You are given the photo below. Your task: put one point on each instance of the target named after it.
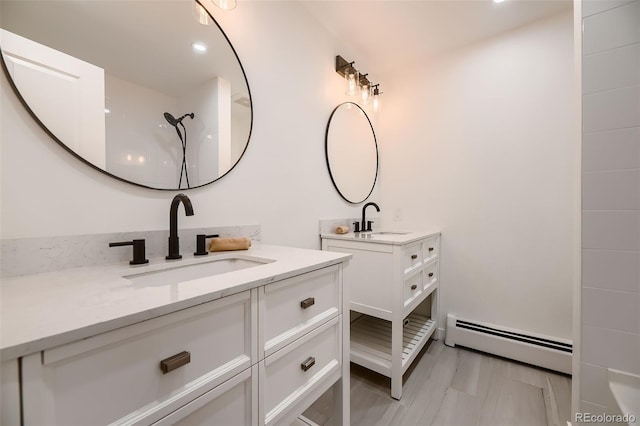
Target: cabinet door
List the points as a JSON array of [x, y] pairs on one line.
[[369, 276], [117, 377], [233, 403]]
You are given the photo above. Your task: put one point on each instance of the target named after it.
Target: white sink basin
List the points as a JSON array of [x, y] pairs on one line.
[[390, 233], [182, 273]]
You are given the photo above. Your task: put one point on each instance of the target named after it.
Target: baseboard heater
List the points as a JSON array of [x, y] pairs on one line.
[[543, 351]]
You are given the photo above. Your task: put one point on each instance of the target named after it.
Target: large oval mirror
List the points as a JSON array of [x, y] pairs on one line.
[[352, 152], [150, 92]]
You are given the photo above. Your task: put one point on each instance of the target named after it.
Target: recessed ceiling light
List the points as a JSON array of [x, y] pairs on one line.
[[498, 1], [199, 47]]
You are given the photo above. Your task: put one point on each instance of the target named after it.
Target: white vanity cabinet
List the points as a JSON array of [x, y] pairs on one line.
[[393, 280], [254, 358]]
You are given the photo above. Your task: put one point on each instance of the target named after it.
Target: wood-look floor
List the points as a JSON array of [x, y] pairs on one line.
[[456, 387]]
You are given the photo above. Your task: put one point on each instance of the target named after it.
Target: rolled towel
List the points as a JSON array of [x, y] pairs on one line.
[[228, 244], [342, 229]]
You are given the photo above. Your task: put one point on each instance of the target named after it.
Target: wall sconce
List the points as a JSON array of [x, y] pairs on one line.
[[201, 7], [201, 14], [357, 82], [350, 74], [226, 4], [376, 98]]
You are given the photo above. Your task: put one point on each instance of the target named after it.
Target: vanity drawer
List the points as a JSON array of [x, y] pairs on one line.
[[298, 369], [233, 403], [117, 376], [431, 248], [430, 278], [292, 307], [412, 256], [412, 288]]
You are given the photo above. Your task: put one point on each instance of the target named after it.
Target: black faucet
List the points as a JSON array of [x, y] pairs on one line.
[[174, 243], [366, 225]]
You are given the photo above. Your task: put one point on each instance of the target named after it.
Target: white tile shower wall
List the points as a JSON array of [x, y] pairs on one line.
[[610, 303], [612, 270], [22, 256], [611, 150], [614, 27]]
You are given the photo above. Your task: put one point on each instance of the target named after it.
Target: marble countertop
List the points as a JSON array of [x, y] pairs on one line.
[[382, 237], [45, 310]]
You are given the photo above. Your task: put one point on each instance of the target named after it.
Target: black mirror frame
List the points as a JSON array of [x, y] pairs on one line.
[[72, 152], [326, 153]]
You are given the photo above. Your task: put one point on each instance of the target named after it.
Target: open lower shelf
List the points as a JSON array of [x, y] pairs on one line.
[[371, 341]]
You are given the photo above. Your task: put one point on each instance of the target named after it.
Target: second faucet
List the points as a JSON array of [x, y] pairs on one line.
[[366, 225]]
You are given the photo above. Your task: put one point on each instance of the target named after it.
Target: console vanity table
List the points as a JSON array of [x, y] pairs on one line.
[[393, 279], [254, 344]]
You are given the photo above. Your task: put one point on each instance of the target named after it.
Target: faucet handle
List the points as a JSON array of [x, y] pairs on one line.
[[369, 223], [201, 243], [139, 256], [356, 226]]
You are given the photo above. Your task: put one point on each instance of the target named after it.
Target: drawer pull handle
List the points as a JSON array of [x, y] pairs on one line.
[[414, 256], [308, 363], [430, 274], [174, 362], [430, 248], [310, 301], [413, 287]]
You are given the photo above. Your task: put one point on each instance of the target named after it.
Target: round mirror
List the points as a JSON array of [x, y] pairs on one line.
[[149, 92], [352, 152]]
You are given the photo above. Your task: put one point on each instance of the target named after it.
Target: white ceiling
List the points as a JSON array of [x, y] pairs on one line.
[[386, 34], [143, 42]]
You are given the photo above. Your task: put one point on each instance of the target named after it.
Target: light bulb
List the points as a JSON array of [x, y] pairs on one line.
[[353, 82], [226, 4], [376, 99], [200, 14], [365, 91]]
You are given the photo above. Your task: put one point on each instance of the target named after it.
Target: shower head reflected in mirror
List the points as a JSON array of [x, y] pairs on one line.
[[173, 121]]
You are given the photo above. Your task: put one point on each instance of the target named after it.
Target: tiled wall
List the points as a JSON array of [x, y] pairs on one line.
[[610, 198]]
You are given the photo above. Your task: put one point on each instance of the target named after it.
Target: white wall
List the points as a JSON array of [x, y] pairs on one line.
[[477, 144], [281, 183], [610, 336], [480, 145]]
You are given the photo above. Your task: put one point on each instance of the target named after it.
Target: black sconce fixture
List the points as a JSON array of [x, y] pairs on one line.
[[357, 83]]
